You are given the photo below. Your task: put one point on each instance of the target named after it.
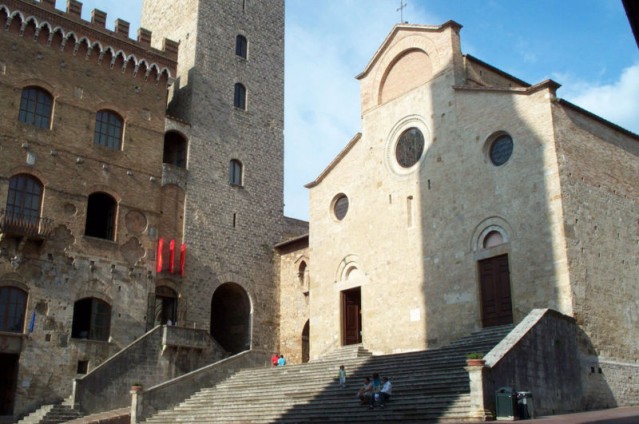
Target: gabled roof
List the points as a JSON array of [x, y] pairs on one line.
[[335, 161], [395, 30]]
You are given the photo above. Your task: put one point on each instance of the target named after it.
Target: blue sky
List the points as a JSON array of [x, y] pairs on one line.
[[585, 45]]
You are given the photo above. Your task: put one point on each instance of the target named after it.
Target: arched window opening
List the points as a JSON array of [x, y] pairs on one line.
[[241, 46], [239, 99], [101, 212], [492, 239], [301, 273], [235, 172], [23, 203], [108, 129], [36, 105], [13, 305], [91, 319], [175, 149], [165, 306]]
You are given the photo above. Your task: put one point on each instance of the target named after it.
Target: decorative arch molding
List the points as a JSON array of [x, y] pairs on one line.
[[486, 227], [167, 282], [36, 82], [399, 78], [70, 35], [23, 169], [13, 279], [348, 265], [301, 258], [416, 42], [94, 292], [104, 189]]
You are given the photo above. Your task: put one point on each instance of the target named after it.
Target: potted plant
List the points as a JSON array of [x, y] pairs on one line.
[[475, 359], [136, 387]]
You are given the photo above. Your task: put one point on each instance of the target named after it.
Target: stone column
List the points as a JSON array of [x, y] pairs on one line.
[[137, 396], [477, 374]]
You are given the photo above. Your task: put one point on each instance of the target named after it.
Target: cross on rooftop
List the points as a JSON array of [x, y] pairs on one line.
[[400, 9]]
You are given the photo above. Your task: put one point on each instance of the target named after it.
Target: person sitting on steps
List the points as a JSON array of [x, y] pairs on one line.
[[365, 392], [386, 392]]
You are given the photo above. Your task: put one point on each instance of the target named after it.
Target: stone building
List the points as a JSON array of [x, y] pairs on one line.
[[470, 198], [81, 134], [228, 98], [142, 185]]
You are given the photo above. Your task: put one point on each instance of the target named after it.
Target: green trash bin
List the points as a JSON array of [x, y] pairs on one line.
[[505, 404]]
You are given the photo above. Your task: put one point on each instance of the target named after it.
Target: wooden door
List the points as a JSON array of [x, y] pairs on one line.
[[494, 281], [351, 316]]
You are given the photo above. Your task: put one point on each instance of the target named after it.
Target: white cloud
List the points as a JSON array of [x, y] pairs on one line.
[[617, 101]]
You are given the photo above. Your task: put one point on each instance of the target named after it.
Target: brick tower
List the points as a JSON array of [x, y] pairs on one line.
[[227, 106]]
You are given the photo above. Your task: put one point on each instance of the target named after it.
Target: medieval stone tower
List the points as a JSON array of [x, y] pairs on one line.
[[225, 130]]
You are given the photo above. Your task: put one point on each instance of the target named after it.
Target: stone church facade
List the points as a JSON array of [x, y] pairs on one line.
[[469, 199]]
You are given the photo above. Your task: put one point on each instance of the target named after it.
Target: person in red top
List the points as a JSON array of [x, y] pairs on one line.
[[274, 359]]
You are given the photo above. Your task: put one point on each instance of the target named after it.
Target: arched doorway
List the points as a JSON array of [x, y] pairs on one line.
[[231, 318], [165, 306], [305, 342]]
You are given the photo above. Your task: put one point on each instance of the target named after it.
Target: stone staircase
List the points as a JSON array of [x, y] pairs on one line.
[[52, 414], [428, 386]]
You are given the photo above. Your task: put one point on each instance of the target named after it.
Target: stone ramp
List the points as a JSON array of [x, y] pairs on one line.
[[428, 386]]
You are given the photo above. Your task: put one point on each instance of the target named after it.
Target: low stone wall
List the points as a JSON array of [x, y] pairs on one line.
[[167, 395], [540, 356], [160, 355]]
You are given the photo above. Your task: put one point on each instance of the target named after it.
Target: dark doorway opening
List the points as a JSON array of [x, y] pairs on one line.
[[305, 343], [351, 316], [231, 318], [494, 282], [165, 306], [8, 381]]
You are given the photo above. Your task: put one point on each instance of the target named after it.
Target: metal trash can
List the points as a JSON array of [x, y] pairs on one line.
[[505, 404], [525, 405]]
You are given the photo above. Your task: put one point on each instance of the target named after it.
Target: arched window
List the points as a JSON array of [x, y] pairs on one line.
[[101, 212], [241, 46], [235, 172], [108, 129], [23, 201], [13, 305], [301, 273], [35, 107], [175, 148], [239, 100], [91, 319]]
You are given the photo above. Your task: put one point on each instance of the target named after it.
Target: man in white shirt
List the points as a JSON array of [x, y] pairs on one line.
[[387, 390]]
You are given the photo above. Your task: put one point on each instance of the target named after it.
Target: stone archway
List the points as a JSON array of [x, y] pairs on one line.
[[231, 318]]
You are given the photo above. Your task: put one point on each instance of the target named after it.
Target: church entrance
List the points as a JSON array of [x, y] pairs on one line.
[[8, 381], [494, 282], [231, 318], [351, 316]]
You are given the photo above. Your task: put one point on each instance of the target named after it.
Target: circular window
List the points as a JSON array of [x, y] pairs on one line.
[[501, 149], [410, 147], [340, 206]]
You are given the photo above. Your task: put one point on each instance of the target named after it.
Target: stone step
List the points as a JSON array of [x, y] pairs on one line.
[[428, 386]]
